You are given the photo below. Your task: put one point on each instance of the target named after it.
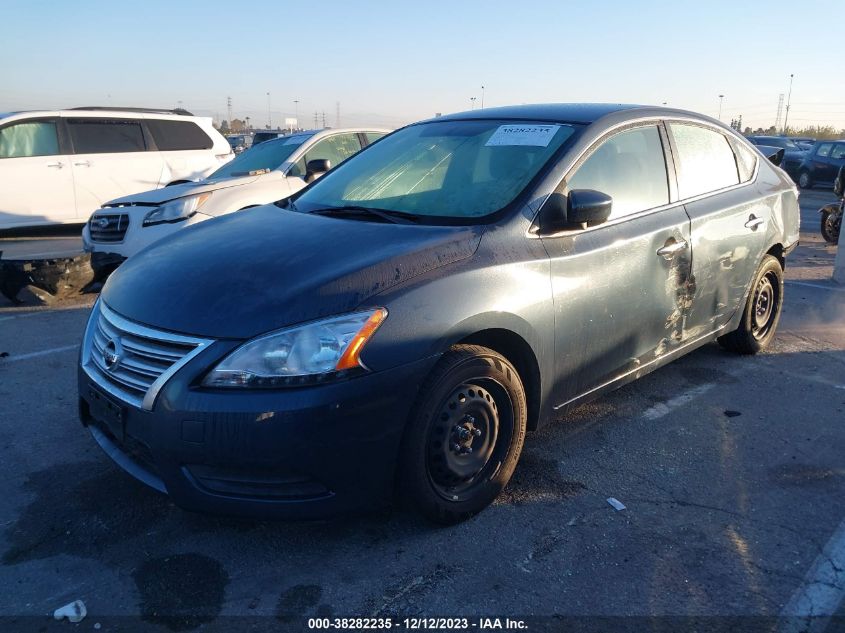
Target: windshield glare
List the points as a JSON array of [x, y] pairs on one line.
[[265, 156], [449, 169]]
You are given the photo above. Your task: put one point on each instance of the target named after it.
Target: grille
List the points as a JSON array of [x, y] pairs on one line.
[[108, 227], [131, 361]]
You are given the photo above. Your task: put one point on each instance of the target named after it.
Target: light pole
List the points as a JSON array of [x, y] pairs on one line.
[[788, 99], [720, 106], [269, 118], [472, 102], [296, 110], [482, 97]]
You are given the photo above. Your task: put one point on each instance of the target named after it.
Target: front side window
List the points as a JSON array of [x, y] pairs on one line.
[[630, 168], [334, 149], [99, 136], [265, 156], [706, 160], [824, 150], [372, 137], [838, 151], [447, 169], [36, 138]]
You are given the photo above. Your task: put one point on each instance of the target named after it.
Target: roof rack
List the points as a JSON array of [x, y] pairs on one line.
[[180, 111]]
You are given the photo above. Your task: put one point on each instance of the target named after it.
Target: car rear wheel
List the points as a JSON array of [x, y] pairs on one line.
[[804, 180], [762, 311], [465, 435]]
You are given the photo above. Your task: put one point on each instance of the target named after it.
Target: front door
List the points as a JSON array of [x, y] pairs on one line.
[[620, 288], [110, 161], [36, 178]]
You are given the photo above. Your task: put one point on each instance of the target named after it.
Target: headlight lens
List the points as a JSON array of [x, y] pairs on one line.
[[300, 355], [176, 210]]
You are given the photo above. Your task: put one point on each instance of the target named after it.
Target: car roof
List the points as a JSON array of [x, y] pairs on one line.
[[568, 112], [124, 113]]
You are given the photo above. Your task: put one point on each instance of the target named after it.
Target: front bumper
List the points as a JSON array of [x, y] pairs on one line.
[[296, 453], [137, 236]]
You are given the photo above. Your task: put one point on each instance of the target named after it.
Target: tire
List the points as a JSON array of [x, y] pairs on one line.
[[472, 399], [829, 228], [804, 180], [762, 311]]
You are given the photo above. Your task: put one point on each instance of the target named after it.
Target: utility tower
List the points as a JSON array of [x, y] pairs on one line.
[[780, 112], [316, 119], [229, 108], [324, 119]]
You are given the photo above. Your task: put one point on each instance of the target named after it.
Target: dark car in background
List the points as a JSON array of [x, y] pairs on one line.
[[266, 135], [821, 164], [793, 152], [804, 142], [400, 324]]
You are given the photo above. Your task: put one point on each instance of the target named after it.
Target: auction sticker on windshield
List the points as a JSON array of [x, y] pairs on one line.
[[537, 135]]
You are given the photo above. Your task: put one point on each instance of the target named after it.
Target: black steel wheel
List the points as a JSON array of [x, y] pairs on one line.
[[465, 435], [762, 311], [831, 224]]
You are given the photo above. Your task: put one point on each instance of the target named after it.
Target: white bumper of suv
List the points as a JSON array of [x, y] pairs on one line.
[[119, 230]]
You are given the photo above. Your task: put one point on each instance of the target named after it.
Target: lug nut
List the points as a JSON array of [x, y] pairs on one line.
[[477, 432], [468, 450], [456, 448]]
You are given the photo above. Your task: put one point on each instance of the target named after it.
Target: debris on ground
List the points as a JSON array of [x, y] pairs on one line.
[[45, 279], [732, 414], [75, 612], [617, 505]]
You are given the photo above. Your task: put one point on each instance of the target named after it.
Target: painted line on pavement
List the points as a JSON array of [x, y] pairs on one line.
[[822, 591], [664, 408], [812, 285], [45, 352]]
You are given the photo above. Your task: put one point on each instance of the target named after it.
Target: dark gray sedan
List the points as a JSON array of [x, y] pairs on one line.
[[396, 328]]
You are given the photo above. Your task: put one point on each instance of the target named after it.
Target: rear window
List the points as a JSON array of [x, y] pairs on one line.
[[178, 135], [707, 162], [106, 136]]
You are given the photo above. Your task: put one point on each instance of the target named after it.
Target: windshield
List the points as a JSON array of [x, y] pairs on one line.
[[450, 169], [260, 158]]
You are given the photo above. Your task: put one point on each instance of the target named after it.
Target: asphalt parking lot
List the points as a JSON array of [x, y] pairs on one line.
[[732, 471]]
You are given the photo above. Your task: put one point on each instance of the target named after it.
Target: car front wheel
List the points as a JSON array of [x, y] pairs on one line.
[[804, 180], [762, 311], [465, 435]]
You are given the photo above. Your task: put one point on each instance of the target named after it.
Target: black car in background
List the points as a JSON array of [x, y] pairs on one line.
[[821, 164], [793, 152]]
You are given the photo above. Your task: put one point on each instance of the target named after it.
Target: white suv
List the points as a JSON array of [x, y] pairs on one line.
[[56, 166], [267, 172]]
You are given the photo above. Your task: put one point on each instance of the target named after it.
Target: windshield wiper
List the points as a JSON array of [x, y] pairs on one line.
[[396, 217]]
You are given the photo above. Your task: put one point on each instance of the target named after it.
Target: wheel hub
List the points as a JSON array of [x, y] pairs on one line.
[[463, 437]]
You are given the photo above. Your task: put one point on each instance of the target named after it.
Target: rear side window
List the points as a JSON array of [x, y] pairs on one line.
[[106, 136], [178, 135], [838, 151], [630, 168], [706, 160], [824, 149], [37, 138], [746, 161]]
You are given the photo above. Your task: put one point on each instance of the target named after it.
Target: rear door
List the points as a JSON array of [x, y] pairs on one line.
[[822, 170], [837, 160], [111, 159], [36, 178], [729, 220], [620, 287]]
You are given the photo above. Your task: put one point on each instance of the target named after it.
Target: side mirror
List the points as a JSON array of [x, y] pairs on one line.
[[316, 167], [580, 209]]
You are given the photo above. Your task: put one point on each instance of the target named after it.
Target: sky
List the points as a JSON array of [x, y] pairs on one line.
[[390, 63]]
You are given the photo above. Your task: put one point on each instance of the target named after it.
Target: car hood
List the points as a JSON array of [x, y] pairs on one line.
[[165, 194], [265, 268]]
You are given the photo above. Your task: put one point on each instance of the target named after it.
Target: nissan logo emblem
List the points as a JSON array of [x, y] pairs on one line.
[[113, 354]]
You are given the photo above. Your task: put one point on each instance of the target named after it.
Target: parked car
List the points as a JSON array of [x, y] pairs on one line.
[[56, 166], [239, 142], [409, 316], [793, 152], [821, 164], [266, 135], [264, 173]]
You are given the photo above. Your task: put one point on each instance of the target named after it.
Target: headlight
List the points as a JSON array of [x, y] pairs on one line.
[[176, 210], [300, 355]]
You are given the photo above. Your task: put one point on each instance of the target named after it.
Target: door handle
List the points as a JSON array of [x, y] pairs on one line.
[[754, 222], [56, 165], [670, 250], [84, 163]]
